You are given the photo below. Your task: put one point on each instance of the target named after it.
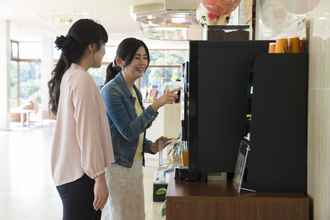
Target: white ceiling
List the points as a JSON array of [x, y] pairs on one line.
[[36, 19], [33, 16]]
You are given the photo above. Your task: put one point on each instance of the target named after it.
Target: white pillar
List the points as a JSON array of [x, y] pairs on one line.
[[4, 73], [47, 66], [257, 28]]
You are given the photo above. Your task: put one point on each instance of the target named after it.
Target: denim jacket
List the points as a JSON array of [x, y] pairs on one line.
[[124, 123]]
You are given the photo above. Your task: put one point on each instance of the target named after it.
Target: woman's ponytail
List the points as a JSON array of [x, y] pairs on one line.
[[112, 71]]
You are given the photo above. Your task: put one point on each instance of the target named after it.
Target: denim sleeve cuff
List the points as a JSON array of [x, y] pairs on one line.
[[147, 146], [151, 113]]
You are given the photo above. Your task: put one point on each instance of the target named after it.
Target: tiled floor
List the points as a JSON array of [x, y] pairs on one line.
[[26, 188]]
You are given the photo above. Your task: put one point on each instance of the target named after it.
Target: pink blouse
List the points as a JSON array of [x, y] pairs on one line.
[[82, 140]]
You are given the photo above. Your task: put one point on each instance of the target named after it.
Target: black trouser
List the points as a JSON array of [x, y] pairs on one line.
[[77, 198]]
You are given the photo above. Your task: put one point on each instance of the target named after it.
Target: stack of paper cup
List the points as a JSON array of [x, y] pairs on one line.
[[286, 45], [294, 45]]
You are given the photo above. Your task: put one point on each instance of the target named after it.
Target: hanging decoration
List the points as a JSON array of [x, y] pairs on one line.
[[216, 11]]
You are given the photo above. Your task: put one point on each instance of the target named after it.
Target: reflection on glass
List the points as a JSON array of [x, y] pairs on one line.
[[155, 78], [165, 67], [29, 81], [13, 85], [168, 57]]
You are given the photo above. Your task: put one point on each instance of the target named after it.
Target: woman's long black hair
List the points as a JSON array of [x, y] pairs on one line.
[[126, 51], [81, 34]]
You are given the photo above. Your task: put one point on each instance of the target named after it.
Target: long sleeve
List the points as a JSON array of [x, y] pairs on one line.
[[129, 129], [82, 140], [147, 146], [92, 134]]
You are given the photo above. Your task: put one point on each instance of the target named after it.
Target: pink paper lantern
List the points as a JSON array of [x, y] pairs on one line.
[[220, 7]]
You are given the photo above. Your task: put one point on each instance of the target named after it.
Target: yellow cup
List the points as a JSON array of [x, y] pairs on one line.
[[281, 45], [294, 45], [272, 47]]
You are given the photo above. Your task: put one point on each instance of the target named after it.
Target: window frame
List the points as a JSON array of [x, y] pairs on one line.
[[165, 66], [18, 62]]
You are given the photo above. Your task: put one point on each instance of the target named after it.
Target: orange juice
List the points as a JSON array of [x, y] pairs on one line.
[[185, 158]]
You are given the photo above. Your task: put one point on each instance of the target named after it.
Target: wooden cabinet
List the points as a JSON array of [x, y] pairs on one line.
[[198, 201]]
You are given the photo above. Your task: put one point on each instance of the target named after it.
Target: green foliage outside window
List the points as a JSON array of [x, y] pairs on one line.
[[13, 85], [24, 73], [29, 77]]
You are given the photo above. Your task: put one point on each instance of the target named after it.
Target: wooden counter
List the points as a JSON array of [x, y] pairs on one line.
[[198, 201]]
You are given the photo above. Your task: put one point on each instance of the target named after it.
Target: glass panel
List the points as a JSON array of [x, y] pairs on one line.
[[13, 85], [157, 57], [29, 77], [29, 50], [155, 79], [175, 57], [168, 57], [98, 74]]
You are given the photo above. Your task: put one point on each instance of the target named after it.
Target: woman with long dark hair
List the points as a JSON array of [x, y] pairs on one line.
[[129, 121], [81, 148]]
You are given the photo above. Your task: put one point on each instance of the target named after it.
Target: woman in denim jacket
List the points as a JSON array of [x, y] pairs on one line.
[[128, 121]]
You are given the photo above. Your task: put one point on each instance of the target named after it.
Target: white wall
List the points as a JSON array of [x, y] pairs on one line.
[[319, 111], [167, 123]]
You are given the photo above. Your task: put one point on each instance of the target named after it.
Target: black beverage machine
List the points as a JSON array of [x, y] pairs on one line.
[[216, 91]]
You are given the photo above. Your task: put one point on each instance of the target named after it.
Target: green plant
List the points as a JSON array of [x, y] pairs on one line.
[[163, 209]]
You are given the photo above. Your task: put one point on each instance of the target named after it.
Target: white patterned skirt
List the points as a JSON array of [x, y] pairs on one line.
[[126, 194]]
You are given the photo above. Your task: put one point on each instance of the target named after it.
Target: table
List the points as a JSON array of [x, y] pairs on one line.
[[201, 201]]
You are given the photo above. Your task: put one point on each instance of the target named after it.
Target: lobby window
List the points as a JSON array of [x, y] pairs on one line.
[[165, 67], [24, 73], [99, 73]]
